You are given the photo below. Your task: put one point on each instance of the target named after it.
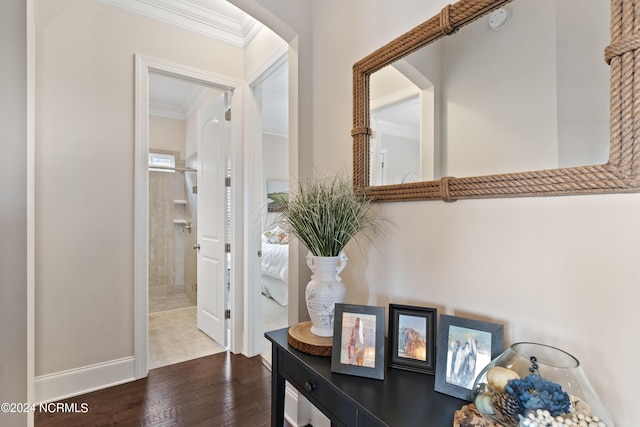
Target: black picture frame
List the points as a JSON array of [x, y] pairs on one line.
[[412, 338], [465, 347], [364, 354]]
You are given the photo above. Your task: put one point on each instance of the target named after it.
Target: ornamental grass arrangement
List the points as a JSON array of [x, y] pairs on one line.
[[326, 213]]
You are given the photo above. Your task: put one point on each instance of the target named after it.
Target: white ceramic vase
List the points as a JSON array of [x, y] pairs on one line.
[[324, 290]]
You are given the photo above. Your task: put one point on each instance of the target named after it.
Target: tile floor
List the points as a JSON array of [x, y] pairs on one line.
[[163, 301], [174, 336]]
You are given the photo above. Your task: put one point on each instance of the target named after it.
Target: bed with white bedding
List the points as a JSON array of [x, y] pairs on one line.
[[275, 266]]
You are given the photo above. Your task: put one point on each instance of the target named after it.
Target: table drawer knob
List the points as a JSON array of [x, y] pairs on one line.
[[309, 386]]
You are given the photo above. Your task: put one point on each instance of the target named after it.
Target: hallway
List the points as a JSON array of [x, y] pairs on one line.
[[224, 389]]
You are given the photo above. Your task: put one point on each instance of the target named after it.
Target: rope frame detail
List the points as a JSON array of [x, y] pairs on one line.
[[619, 175]]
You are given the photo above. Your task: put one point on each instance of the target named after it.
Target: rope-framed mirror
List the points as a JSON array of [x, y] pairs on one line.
[[620, 174]]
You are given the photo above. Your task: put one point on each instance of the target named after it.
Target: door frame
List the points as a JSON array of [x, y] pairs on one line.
[[143, 65], [255, 196]]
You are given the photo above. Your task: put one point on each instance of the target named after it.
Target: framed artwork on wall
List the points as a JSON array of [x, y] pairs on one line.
[[358, 341], [412, 338], [465, 347], [276, 192]]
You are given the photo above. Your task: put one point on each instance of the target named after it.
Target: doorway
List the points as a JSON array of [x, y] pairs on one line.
[[270, 91], [182, 116], [171, 281]]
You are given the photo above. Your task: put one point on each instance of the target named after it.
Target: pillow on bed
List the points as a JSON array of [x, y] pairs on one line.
[[277, 236]]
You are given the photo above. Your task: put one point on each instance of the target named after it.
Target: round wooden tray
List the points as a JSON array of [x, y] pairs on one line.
[[301, 338]]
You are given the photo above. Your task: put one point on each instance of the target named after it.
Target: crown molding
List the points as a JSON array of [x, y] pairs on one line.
[[189, 16]]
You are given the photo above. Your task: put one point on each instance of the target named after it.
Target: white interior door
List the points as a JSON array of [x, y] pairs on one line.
[[213, 142]]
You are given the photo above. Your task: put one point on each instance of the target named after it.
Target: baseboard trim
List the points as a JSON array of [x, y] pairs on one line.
[[318, 419], [64, 384], [291, 413], [299, 412]]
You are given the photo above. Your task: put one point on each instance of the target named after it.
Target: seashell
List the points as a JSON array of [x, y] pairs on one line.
[[483, 404], [498, 377]]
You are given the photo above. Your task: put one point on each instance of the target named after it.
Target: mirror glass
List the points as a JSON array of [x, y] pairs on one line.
[[531, 95]]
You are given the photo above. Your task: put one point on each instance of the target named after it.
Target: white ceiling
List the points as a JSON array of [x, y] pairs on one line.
[[172, 97]]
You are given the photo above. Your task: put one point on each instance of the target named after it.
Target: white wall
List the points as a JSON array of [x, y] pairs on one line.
[[275, 160], [583, 76], [167, 134], [402, 161], [13, 208], [275, 156], [486, 74], [84, 172], [558, 270]]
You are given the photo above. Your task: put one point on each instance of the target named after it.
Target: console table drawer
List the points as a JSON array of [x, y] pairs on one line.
[[318, 391]]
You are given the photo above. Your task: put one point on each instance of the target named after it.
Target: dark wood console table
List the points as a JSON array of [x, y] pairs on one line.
[[404, 398]]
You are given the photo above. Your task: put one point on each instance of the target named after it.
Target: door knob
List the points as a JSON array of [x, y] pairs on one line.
[[196, 246], [309, 386]]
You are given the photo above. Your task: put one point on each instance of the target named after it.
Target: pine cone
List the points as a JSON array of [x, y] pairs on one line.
[[505, 405], [468, 416]]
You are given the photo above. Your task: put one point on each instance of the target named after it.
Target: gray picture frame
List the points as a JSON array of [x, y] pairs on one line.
[[465, 347], [358, 341]]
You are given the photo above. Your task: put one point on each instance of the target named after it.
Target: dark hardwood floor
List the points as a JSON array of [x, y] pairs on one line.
[[220, 390]]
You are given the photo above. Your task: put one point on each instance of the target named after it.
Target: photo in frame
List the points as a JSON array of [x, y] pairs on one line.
[[412, 338], [465, 347], [276, 192], [358, 341]]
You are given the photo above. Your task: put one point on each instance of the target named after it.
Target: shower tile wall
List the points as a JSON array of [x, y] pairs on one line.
[[190, 256], [167, 243]]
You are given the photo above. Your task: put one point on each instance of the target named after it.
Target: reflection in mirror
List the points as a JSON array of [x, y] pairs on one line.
[[396, 123], [533, 95]]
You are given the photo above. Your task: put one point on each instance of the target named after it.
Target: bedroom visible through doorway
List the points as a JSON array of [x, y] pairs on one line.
[[272, 100]]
